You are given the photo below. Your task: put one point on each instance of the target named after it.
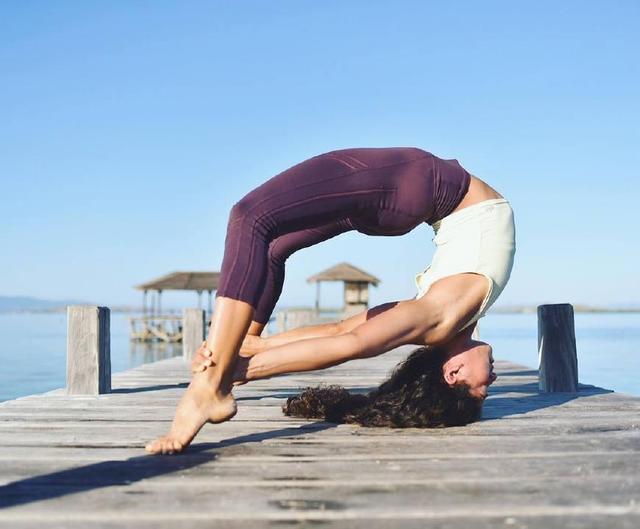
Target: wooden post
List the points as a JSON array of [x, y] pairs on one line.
[[88, 350], [193, 328], [557, 349]]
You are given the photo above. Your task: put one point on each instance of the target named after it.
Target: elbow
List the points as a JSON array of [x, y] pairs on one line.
[[337, 328], [355, 346]]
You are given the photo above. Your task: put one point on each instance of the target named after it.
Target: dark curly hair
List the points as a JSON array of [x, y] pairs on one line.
[[415, 395]]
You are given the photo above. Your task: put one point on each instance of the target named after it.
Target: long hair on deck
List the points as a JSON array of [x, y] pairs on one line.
[[415, 395]]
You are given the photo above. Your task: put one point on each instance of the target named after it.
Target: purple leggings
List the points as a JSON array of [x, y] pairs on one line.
[[384, 191]]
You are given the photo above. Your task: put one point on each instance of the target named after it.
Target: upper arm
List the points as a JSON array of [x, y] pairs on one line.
[[434, 318], [348, 324], [405, 323]]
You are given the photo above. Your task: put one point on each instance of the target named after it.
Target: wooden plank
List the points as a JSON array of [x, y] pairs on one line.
[[535, 460], [617, 518], [148, 498], [193, 329]]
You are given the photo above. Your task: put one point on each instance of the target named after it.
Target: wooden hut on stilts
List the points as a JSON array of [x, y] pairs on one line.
[[153, 325], [356, 286]]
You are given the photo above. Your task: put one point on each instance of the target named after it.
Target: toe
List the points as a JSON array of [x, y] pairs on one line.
[[153, 446]]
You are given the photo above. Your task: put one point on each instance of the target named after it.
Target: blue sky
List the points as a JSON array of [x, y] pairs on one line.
[[128, 130]]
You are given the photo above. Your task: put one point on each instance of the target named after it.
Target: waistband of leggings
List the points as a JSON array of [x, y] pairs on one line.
[[468, 213]]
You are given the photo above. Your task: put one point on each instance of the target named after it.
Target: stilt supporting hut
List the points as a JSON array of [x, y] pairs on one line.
[[356, 286], [153, 325]]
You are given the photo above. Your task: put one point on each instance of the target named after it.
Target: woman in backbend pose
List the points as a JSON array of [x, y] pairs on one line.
[[375, 191]]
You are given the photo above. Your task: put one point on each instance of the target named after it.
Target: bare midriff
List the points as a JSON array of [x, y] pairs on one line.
[[478, 191]]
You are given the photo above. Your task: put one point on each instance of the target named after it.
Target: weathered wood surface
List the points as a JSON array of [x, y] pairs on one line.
[[193, 328], [557, 348], [88, 350], [536, 460]]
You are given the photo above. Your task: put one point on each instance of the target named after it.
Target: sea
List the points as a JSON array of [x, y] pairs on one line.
[[33, 348]]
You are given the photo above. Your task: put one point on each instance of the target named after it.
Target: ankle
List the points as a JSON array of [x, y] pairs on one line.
[[223, 392]]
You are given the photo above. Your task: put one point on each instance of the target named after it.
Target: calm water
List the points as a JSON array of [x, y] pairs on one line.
[[33, 349]]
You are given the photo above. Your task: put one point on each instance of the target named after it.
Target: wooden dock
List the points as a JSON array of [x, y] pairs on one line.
[[535, 460]]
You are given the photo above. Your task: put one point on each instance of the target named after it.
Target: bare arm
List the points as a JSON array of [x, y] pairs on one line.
[[300, 333], [255, 345], [434, 318], [397, 325]]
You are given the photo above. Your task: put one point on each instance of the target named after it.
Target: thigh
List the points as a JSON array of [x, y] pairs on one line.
[[308, 195], [284, 245]]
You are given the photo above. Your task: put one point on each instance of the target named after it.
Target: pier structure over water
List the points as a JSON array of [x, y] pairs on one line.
[[153, 325], [356, 286], [539, 458]]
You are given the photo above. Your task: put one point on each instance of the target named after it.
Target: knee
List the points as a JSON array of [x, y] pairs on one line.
[[244, 208], [277, 256]]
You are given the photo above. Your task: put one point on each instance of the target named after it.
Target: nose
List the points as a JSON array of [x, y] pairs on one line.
[[494, 377]]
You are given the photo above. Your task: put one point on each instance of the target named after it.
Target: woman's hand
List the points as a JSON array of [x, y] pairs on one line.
[[240, 371], [203, 358]]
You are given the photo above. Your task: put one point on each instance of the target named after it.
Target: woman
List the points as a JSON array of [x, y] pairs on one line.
[[415, 395], [376, 191], [435, 386]]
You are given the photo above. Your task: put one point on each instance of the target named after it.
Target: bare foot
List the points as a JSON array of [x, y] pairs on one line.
[[199, 405]]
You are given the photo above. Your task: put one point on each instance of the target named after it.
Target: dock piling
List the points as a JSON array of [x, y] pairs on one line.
[[193, 329], [557, 349], [88, 350]]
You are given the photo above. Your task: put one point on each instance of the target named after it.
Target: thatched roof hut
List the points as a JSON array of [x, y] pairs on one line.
[[356, 285], [191, 281], [344, 272], [194, 281]]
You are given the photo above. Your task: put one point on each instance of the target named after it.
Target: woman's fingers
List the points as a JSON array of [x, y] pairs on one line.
[[201, 359], [200, 363]]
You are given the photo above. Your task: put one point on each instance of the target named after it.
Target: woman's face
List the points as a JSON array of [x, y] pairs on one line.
[[473, 366]]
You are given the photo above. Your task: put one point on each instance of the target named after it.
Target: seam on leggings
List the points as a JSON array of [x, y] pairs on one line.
[[349, 174], [358, 163], [355, 160]]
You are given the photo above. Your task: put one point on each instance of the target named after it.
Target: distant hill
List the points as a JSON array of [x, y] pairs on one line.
[[26, 304]]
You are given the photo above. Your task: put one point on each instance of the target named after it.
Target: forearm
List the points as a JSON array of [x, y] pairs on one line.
[[303, 355], [326, 329], [300, 333], [394, 324]]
